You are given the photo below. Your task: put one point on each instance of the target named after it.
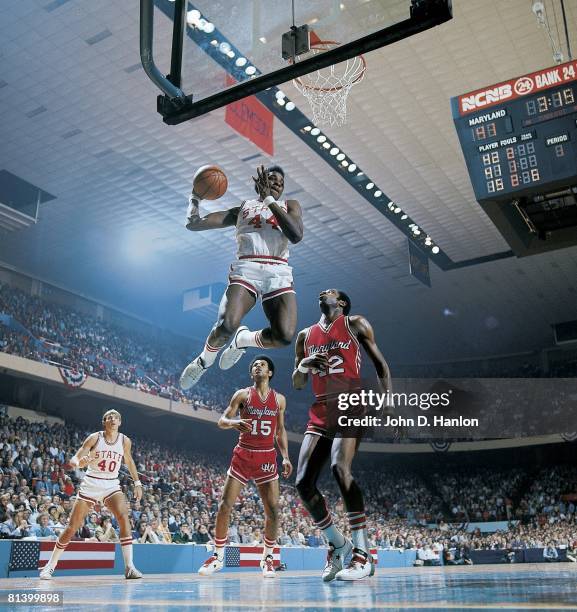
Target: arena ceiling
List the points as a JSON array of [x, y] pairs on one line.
[[79, 121]]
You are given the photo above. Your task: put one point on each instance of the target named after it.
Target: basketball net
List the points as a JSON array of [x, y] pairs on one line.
[[327, 89]]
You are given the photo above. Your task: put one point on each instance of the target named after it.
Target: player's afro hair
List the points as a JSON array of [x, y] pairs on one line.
[[263, 358], [345, 298]]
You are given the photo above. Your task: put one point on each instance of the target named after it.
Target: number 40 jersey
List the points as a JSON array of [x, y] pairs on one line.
[[343, 350]]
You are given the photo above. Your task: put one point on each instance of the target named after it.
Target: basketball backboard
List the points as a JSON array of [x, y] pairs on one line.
[[231, 50]]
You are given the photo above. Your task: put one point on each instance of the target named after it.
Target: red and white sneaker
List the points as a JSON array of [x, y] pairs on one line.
[[211, 565], [46, 572], [335, 560], [359, 567], [267, 567]]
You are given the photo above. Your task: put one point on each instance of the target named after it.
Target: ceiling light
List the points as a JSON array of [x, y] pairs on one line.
[[192, 17], [369, 185], [224, 47], [231, 54], [290, 106], [279, 94], [263, 40], [250, 70], [214, 42], [326, 145], [344, 163], [352, 167], [378, 193], [334, 151], [321, 138], [307, 128], [240, 62], [404, 217], [435, 250], [341, 156], [280, 101], [209, 27], [315, 131]]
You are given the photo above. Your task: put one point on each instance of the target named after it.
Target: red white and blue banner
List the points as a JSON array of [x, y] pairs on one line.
[[72, 378]]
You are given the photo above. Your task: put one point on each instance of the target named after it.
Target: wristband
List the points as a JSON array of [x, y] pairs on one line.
[[269, 200], [74, 462], [303, 369], [137, 483]]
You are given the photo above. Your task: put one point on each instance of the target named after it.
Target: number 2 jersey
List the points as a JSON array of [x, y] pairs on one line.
[[344, 357], [264, 416], [106, 458]]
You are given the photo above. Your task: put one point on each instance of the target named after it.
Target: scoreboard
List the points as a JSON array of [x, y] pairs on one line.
[[519, 140]]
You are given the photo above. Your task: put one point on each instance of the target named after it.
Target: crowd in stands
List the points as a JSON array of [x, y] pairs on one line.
[[151, 363], [182, 490]]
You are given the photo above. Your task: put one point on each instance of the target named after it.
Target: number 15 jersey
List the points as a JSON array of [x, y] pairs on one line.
[[263, 414]]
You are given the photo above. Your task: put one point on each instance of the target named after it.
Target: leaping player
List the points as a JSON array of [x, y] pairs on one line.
[[331, 349], [102, 453], [258, 414], [264, 228]]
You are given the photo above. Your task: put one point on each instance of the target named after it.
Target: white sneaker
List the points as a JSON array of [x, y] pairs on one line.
[[335, 560], [46, 572], [360, 567], [232, 353], [211, 565], [192, 374], [131, 573], [267, 567]]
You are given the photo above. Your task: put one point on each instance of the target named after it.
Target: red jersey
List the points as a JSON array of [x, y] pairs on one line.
[[343, 349], [264, 415]]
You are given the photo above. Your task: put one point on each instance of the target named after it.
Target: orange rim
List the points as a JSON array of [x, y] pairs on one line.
[[328, 45]]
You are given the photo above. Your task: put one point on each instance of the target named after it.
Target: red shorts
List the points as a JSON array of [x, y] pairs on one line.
[[317, 424], [257, 465]]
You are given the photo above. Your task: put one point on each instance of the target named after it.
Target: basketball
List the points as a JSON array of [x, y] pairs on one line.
[[209, 183]]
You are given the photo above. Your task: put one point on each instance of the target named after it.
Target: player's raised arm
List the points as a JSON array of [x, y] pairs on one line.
[[281, 437], [82, 456], [229, 419], [366, 337], [304, 365], [214, 220], [291, 221], [129, 461]]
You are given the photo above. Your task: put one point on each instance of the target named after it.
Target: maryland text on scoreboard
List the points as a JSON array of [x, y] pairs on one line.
[[519, 142]]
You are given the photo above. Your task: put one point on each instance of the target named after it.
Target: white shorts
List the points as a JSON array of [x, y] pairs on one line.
[[263, 280], [98, 490]]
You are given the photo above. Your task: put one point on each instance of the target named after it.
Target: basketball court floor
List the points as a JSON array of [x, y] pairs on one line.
[[521, 587]]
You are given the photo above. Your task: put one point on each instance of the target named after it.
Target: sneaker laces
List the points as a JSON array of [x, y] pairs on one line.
[[358, 557], [210, 560]]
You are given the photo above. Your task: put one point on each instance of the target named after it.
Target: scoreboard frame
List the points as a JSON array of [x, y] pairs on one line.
[[519, 140]]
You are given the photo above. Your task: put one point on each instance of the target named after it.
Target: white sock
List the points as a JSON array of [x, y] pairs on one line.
[[209, 355], [249, 338], [56, 552], [126, 545], [268, 548], [334, 536], [358, 523], [219, 550]]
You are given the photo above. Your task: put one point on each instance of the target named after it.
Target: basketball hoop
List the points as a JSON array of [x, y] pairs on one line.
[[327, 89]]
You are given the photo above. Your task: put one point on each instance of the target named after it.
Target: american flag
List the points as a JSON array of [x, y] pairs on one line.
[[247, 556], [29, 555]]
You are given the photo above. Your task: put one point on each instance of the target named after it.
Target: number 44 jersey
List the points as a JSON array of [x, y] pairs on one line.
[[344, 356]]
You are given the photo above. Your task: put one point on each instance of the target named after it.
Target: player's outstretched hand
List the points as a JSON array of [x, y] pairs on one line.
[[84, 461], [287, 468], [244, 425], [262, 182], [138, 493]]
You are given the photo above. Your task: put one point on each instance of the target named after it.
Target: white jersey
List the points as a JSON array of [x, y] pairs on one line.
[[107, 458], [258, 234]]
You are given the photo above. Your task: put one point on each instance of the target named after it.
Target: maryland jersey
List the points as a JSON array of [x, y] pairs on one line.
[[343, 350], [106, 458], [264, 415], [258, 234]]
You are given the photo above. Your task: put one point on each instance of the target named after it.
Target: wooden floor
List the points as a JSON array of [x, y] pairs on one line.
[[488, 587]]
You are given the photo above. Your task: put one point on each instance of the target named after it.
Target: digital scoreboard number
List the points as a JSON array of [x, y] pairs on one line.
[[519, 140]]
